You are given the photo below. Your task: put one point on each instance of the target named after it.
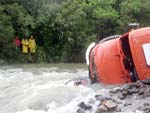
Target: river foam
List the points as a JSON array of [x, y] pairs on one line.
[[43, 89], [40, 90]]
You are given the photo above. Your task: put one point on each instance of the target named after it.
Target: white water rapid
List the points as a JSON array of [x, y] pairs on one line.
[[41, 89]]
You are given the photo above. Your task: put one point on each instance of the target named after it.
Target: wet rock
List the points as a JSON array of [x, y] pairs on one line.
[[133, 91], [126, 93], [146, 82], [133, 87], [139, 108], [118, 110], [126, 87], [127, 104], [101, 109], [146, 110], [80, 110], [110, 105], [141, 92], [98, 97], [114, 91], [101, 98], [121, 96], [139, 84], [147, 94], [146, 104], [148, 90], [84, 106], [91, 101]]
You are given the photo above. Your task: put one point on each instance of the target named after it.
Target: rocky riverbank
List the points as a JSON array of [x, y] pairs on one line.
[[130, 98]]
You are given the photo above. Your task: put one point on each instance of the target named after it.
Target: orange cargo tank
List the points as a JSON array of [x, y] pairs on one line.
[[120, 59]]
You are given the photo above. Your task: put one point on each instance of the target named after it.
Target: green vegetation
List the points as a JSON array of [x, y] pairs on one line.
[[64, 28]]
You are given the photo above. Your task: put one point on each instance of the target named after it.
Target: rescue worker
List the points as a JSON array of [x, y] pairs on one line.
[[25, 45], [17, 42], [32, 44]]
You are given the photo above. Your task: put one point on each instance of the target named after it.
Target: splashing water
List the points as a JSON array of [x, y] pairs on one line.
[[42, 89], [32, 89]]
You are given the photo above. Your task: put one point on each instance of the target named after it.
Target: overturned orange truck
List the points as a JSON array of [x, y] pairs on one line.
[[120, 59]]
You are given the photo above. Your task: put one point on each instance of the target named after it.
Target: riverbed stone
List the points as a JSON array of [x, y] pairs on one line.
[[146, 110], [127, 104], [99, 97], [101, 109], [141, 92], [110, 105], [91, 101], [121, 96], [118, 99], [114, 91], [84, 106], [102, 97], [133, 91], [146, 104], [80, 110], [146, 82]]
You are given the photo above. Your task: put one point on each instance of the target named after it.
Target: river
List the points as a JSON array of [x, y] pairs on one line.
[[40, 88]]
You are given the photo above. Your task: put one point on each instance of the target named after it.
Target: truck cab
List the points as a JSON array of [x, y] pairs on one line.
[[122, 59]]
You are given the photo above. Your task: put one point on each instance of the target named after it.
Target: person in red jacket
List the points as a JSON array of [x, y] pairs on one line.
[[17, 42]]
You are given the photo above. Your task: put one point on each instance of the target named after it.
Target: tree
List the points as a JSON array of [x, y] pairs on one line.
[[14, 21], [135, 11], [64, 28]]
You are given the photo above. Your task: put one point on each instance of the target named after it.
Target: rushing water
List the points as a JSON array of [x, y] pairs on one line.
[[33, 88]]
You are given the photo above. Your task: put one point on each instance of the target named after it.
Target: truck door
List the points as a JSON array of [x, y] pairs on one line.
[[139, 41]]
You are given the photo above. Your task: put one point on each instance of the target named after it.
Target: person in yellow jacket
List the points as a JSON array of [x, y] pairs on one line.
[[32, 44], [25, 44]]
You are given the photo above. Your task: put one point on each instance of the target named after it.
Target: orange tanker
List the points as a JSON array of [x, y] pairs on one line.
[[120, 59]]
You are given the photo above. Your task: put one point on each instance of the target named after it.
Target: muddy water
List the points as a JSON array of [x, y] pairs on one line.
[[40, 88]]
